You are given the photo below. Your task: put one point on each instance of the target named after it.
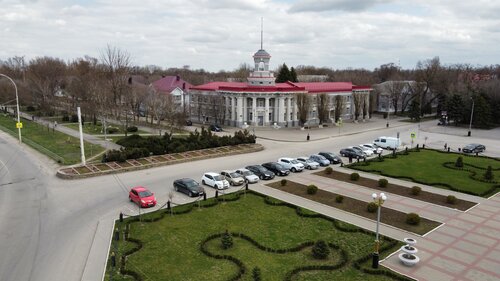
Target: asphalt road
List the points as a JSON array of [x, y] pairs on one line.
[[47, 225]]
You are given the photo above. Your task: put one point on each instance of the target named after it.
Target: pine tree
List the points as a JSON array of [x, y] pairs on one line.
[[489, 174], [283, 75], [414, 112], [256, 274], [482, 112], [293, 75], [320, 250], [456, 108], [227, 241]]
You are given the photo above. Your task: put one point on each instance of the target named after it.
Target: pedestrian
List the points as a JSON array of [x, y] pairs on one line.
[[32, 117], [445, 145], [55, 124]]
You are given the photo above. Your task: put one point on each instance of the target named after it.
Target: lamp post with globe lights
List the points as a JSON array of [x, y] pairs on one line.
[[379, 200], [18, 125], [471, 115]]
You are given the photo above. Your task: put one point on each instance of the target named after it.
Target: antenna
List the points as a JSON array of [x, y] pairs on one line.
[[261, 32]]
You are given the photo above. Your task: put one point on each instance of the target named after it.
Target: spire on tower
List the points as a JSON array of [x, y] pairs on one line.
[[261, 32]]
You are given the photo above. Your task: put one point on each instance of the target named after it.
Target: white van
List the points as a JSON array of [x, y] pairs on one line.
[[387, 142]]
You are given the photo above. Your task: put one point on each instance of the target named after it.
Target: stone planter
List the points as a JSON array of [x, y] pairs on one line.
[[408, 259], [410, 241], [409, 249]]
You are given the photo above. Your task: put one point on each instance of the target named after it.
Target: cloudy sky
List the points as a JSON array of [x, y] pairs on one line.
[[221, 34]]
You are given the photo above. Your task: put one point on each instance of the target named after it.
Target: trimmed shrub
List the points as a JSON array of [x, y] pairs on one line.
[[371, 207], [132, 129], [283, 182], [320, 250], [339, 198], [489, 174], [312, 189], [383, 182], [460, 162], [412, 219], [328, 170], [227, 241], [65, 118], [256, 274], [450, 199], [354, 176], [30, 108], [74, 118], [115, 156], [415, 190], [111, 130]]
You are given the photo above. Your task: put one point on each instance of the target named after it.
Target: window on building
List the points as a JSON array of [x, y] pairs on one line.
[[260, 102]]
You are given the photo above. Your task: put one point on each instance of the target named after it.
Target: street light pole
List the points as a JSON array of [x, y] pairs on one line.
[[17, 102], [379, 200], [471, 115]]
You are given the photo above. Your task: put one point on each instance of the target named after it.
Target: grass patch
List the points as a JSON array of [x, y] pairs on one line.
[[56, 145], [358, 207], [172, 245], [400, 190], [429, 167], [91, 129]]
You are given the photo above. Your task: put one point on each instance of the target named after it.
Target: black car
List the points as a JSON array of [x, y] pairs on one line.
[[189, 122], [215, 128], [261, 172], [474, 148], [349, 152], [189, 187], [332, 157], [276, 168]]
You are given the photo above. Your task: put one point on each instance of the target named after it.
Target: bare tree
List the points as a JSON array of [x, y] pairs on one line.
[[322, 106], [46, 77], [217, 108], [357, 100], [303, 101], [339, 107]]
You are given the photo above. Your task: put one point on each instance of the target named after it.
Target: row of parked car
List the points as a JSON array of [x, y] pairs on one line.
[[361, 151]]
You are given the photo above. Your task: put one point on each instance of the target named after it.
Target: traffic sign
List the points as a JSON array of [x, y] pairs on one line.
[[19, 125], [413, 135]]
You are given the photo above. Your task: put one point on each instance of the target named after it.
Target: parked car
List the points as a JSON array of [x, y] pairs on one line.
[[291, 164], [248, 175], [320, 159], [189, 122], [358, 149], [214, 180], [308, 163], [261, 172], [373, 147], [474, 148], [349, 152], [215, 128], [233, 177], [142, 197], [332, 157], [276, 168], [387, 142], [365, 150], [189, 187]]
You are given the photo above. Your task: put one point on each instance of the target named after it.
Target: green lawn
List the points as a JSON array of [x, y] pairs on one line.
[[427, 167], [90, 128], [56, 145], [171, 246]]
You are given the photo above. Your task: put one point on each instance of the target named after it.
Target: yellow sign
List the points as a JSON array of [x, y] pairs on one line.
[[412, 135], [19, 125]]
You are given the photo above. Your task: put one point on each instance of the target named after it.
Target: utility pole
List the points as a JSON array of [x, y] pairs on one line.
[[82, 149]]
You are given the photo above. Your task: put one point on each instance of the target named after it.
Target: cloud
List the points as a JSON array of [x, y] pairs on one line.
[[228, 4], [333, 5]]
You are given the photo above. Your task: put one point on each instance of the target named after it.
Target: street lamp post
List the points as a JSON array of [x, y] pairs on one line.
[[379, 200], [471, 115], [17, 102]]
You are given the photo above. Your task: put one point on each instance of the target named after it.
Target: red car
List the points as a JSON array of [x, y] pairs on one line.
[[142, 197]]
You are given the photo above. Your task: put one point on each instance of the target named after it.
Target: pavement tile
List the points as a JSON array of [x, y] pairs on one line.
[[480, 239], [471, 218], [474, 274], [441, 238], [429, 245], [457, 254], [430, 215], [493, 224], [470, 247], [448, 265], [481, 213], [494, 255], [450, 230], [491, 266], [461, 224], [488, 231], [431, 274], [486, 207], [414, 203]]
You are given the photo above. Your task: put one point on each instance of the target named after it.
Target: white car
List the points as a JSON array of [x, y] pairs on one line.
[[291, 164], [214, 180], [366, 150], [373, 147], [308, 163], [248, 175]]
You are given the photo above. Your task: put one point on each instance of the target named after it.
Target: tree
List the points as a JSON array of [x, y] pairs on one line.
[[226, 240], [488, 175], [283, 74], [303, 105], [322, 107], [357, 100], [320, 250], [414, 112], [256, 275], [293, 75], [482, 112], [456, 109], [427, 73], [339, 107], [46, 77]]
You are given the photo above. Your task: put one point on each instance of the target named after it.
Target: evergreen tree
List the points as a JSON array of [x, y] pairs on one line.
[[293, 75], [227, 241], [482, 112], [283, 75], [320, 250], [256, 275], [414, 112], [456, 108], [489, 174]]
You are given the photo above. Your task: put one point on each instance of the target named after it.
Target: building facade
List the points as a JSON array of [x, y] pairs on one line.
[[176, 87], [262, 102]]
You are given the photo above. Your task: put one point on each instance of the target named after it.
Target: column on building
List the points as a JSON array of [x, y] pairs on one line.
[[281, 111], [239, 111], [266, 114], [368, 105], [287, 111], [254, 111], [295, 109], [227, 115], [233, 110], [245, 109]]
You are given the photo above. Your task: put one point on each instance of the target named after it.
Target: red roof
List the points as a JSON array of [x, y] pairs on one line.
[[169, 83], [311, 87]]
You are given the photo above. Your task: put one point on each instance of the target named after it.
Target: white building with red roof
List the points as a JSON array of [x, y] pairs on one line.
[[262, 102], [175, 86]]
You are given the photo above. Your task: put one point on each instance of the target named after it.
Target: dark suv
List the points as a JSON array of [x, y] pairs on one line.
[[334, 158], [215, 128], [474, 148], [261, 172], [189, 187], [351, 153], [276, 168]]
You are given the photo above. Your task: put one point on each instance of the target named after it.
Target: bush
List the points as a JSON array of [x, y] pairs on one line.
[[320, 250], [65, 118], [450, 199], [415, 190], [354, 176], [115, 156], [460, 162], [283, 182], [132, 129], [74, 118], [339, 198], [412, 218], [328, 170], [312, 189], [227, 241], [112, 130], [256, 274], [371, 207], [489, 174], [383, 182], [30, 108]]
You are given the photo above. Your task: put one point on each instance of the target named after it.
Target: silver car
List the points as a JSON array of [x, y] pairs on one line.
[[308, 163], [248, 175], [233, 177], [320, 159]]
